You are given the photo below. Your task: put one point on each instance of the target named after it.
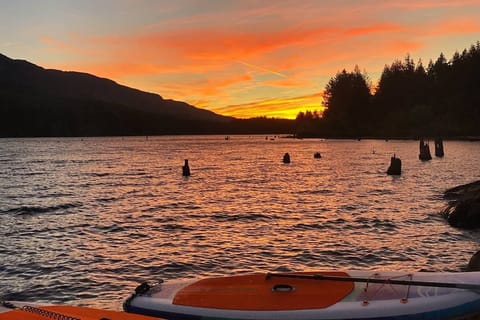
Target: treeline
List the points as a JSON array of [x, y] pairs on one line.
[[410, 100], [36, 114]]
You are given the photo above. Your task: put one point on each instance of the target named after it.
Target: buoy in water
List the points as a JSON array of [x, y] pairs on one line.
[[286, 158], [317, 155]]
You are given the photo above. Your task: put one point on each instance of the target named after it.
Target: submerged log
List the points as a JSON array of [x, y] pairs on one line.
[[463, 210], [395, 166]]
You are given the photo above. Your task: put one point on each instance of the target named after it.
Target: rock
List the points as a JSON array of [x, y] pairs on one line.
[[463, 190], [463, 210], [464, 214], [474, 263]]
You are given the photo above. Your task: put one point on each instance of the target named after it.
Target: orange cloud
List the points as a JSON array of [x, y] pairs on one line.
[[402, 47], [113, 69], [430, 4], [453, 27], [206, 50], [204, 45], [214, 86], [288, 83], [371, 29]]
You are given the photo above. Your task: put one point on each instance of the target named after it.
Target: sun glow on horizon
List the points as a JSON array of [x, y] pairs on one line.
[[287, 108]]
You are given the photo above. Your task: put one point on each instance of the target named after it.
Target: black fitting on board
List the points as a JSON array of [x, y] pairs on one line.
[[142, 288]]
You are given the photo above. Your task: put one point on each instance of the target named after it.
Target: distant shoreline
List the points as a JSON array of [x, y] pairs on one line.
[[445, 138], [279, 135]]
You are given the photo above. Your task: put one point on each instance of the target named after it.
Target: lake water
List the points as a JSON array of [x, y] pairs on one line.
[[84, 220]]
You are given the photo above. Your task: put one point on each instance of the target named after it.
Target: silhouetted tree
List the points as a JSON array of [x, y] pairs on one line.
[[403, 87], [307, 124], [347, 101]]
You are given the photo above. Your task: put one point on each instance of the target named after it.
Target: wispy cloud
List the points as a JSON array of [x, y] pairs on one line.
[[262, 69]]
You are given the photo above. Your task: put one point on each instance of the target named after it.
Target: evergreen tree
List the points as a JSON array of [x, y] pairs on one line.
[[347, 101], [401, 97]]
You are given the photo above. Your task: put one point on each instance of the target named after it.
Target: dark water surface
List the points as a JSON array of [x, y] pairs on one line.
[[84, 220]]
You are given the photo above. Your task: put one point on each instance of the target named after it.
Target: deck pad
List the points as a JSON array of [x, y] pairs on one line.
[[69, 313], [256, 292]]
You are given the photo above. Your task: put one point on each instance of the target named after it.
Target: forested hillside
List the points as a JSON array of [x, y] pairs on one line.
[[36, 102]]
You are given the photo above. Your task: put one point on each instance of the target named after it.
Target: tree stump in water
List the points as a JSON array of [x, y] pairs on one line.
[[439, 147], [424, 154], [395, 166], [186, 169]]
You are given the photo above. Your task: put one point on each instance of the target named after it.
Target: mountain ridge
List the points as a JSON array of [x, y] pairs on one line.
[[72, 84]]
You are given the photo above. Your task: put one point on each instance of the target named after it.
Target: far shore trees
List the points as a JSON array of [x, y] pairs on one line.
[[409, 101]]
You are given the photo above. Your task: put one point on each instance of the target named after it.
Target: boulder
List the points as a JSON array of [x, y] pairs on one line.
[[474, 263], [463, 209], [464, 190]]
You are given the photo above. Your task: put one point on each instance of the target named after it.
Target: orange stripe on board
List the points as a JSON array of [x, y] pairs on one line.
[[255, 292]]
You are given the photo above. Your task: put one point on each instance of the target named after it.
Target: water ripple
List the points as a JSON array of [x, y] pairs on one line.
[[33, 210]]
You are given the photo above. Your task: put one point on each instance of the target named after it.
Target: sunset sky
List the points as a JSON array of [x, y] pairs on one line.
[[235, 57]]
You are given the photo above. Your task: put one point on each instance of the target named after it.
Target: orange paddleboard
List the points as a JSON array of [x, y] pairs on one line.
[[255, 292], [68, 313]]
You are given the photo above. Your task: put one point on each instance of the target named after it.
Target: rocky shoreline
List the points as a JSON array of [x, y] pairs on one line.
[[463, 209]]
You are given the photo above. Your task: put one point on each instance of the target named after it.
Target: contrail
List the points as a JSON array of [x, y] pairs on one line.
[[262, 69]]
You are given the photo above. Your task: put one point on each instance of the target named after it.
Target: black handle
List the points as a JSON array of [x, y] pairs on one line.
[[282, 288]]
